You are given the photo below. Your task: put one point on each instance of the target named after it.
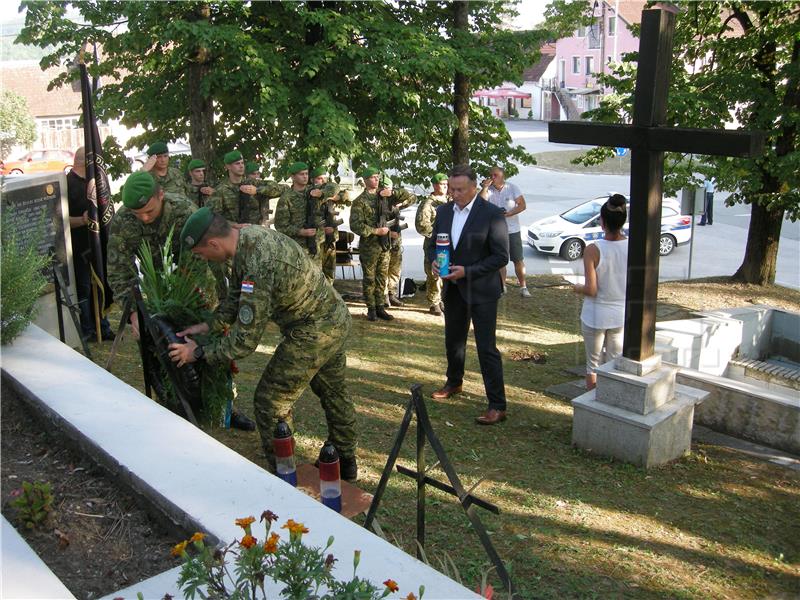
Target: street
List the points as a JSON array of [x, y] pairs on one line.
[[718, 250]]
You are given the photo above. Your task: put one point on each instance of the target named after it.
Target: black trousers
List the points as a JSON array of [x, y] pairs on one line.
[[457, 317]]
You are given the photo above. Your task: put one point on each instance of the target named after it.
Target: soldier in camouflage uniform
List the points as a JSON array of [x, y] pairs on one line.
[[292, 215], [275, 281], [240, 201], [374, 259], [148, 214], [426, 213], [319, 177], [198, 189], [167, 178], [401, 199]]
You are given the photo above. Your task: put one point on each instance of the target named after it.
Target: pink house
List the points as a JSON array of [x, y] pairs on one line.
[[581, 57]]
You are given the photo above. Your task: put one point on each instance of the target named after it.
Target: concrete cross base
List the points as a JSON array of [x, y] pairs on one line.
[[644, 440]]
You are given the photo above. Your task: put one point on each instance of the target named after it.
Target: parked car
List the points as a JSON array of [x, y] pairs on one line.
[[568, 233], [38, 161]]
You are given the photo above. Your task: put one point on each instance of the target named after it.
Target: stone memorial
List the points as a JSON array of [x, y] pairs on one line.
[[36, 205]]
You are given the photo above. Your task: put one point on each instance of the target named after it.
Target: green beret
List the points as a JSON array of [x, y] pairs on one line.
[[196, 163], [296, 167], [251, 167], [232, 157], [138, 189], [318, 172], [386, 181], [439, 178], [369, 172], [195, 227], [157, 148]]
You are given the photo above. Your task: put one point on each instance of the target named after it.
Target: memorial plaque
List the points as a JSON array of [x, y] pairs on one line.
[[36, 206]]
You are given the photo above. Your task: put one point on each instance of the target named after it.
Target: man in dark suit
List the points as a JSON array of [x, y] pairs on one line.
[[478, 250]]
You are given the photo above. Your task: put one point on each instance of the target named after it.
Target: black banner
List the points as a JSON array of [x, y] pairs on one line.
[[97, 189]]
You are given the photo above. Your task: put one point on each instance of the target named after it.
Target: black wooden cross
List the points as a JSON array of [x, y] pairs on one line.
[[648, 139]]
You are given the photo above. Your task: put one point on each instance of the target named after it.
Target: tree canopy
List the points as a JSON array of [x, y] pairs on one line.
[[736, 63], [17, 127], [282, 81]]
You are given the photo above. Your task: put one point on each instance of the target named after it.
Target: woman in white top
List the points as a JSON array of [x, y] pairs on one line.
[[605, 265]]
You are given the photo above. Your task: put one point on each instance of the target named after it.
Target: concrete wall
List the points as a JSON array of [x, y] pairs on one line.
[[756, 326], [705, 344], [746, 411], [785, 335]]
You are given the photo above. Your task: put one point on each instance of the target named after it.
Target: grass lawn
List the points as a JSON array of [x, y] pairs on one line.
[[714, 524], [561, 160]]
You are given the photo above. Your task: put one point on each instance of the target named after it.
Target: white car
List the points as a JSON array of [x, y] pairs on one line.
[[568, 233]]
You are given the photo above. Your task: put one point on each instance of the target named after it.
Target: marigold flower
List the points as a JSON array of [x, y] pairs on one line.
[[392, 585], [245, 522], [248, 541], [411, 596], [179, 549], [271, 545], [197, 537], [294, 528], [269, 516]]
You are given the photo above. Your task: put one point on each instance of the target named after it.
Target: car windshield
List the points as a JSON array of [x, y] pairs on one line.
[[584, 212]]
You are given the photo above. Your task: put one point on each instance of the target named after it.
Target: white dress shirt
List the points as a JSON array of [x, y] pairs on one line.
[[460, 216]]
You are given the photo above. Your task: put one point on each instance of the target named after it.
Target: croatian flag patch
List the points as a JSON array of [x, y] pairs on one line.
[[247, 287]]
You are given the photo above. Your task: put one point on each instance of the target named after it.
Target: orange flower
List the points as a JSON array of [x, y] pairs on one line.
[[271, 545], [179, 549], [197, 537], [411, 596], [245, 522], [248, 541], [294, 528], [392, 585]]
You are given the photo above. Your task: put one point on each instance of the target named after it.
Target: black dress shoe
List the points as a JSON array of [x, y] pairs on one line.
[[371, 315], [381, 313], [240, 421], [395, 301], [108, 335]]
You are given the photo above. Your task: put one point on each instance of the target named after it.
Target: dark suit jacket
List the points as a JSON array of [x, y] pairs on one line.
[[482, 250]]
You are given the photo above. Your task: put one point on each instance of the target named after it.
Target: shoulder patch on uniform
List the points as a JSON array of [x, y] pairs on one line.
[[248, 287], [246, 314]]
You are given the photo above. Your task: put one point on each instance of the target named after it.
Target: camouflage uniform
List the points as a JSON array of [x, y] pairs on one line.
[[374, 259], [329, 252], [127, 234], [273, 280], [401, 199], [426, 213], [290, 217], [225, 200], [173, 182]]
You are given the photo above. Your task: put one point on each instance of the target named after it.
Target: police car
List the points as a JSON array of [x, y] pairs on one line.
[[568, 233]]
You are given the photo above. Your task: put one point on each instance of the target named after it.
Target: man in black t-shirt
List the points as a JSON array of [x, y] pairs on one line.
[[81, 251]]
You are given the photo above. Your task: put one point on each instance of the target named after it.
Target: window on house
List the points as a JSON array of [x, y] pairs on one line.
[[576, 65], [612, 25], [593, 34], [589, 65], [526, 102], [581, 31]]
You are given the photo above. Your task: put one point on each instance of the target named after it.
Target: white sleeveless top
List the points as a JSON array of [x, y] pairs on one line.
[[606, 310]]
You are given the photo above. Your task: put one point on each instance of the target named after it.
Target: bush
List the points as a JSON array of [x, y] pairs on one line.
[[22, 282]]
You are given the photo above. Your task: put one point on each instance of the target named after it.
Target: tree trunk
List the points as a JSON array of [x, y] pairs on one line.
[[201, 106], [461, 89], [761, 253]]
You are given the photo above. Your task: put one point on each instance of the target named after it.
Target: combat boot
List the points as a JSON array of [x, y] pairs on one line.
[[348, 468], [371, 314], [243, 422], [395, 301], [382, 314]]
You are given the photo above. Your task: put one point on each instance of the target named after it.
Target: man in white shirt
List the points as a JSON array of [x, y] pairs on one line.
[[507, 196]]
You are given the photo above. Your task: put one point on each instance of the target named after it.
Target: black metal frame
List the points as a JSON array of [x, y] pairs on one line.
[[61, 288], [416, 406]]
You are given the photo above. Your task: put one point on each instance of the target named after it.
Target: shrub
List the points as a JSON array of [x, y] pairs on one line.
[[22, 281], [34, 504]]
